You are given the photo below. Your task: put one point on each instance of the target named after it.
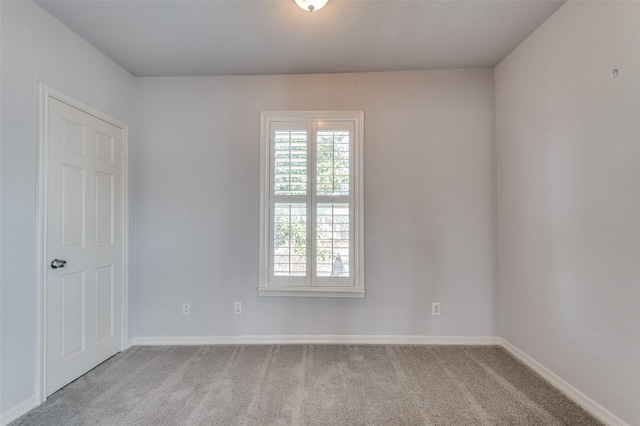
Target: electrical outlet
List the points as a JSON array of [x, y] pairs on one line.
[[237, 308], [186, 309], [435, 308]]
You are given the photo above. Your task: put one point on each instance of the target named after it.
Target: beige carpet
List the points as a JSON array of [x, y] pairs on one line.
[[310, 385]]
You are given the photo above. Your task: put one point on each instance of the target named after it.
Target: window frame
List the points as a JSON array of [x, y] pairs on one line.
[[266, 286]]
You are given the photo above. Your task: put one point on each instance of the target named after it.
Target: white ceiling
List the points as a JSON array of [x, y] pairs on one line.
[[239, 37]]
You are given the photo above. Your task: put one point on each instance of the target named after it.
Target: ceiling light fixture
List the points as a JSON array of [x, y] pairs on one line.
[[312, 5]]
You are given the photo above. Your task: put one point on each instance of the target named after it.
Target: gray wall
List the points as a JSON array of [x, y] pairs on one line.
[[430, 232], [36, 47], [568, 153]]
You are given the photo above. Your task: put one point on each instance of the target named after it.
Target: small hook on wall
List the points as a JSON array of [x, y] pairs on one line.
[[614, 73]]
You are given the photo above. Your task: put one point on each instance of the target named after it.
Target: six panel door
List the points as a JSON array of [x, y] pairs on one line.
[[84, 220]]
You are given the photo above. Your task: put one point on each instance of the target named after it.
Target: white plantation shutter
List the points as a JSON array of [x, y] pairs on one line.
[[332, 240], [290, 162], [311, 220], [290, 240], [333, 147], [333, 206], [289, 195]]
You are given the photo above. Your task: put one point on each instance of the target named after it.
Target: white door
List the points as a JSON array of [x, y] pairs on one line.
[[84, 242]]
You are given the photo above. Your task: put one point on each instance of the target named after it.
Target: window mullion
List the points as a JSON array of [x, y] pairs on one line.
[[311, 193]]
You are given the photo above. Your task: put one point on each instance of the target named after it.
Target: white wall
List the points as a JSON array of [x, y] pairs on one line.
[[429, 204], [568, 154], [36, 47]]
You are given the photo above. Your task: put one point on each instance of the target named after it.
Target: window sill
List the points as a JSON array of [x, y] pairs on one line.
[[312, 292]]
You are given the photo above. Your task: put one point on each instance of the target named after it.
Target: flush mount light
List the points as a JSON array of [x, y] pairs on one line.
[[312, 5]]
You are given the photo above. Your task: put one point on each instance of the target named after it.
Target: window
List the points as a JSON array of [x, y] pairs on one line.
[[311, 217]]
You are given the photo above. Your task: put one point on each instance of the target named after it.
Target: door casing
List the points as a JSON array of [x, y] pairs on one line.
[[47, 93]]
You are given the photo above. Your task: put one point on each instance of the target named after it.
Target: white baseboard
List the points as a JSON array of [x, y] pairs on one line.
[[316, 339], [597, 410], [19, 410]]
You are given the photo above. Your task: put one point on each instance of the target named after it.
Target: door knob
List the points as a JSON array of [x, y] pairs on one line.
[[57, 263]]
